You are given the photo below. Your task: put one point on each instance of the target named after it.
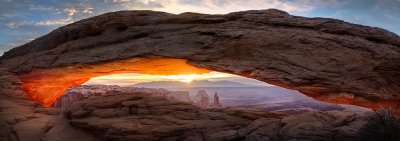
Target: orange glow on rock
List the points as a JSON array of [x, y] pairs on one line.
[[330, 96], [344, 98], [47, 85]]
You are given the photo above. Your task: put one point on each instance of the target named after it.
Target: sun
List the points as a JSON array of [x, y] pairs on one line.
[[187, 78]]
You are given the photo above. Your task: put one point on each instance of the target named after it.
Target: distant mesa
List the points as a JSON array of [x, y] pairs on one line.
[[196, 83]]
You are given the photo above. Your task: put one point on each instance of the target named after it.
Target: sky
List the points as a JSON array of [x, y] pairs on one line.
[[134, 78], [22, 21]]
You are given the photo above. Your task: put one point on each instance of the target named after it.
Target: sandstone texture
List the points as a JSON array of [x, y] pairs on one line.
[[328, 59], [141, 116]]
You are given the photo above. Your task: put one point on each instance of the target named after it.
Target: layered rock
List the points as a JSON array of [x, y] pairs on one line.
[[328, 59]]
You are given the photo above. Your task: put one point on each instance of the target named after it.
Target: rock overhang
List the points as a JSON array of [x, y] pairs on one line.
[[47, 85], [328, 59]]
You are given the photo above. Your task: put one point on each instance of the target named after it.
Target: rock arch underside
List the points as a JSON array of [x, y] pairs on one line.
[[327, 59]]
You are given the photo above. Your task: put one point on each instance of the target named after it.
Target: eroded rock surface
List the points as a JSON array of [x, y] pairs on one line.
[[328, 59], [140, 116], [24, 120], [18, 120]]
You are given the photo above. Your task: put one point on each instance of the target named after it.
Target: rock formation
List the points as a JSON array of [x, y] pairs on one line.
[[328, 59], [201, 99], [216, 103], [67, 99]]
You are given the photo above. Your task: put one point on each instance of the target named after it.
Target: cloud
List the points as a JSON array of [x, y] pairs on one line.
[[223, 6], [17, 23], [55, 22], [71, 11], [41, 8], [13, 24]]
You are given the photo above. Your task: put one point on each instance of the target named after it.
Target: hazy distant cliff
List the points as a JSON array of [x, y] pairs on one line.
[[199, 83]]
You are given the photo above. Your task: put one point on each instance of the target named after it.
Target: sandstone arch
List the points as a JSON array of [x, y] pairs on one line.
[[328, 59]]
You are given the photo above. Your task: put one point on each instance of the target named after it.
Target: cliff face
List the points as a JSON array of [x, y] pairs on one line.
[[67, 99], [328, 59]]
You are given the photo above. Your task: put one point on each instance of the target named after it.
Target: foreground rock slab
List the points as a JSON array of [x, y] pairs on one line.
[[141, 116]]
